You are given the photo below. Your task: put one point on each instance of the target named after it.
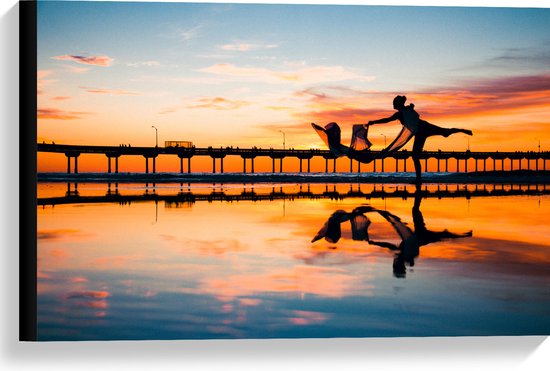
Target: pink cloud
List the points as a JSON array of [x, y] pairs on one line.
[[302, 317], [79, 280], [57, 114], [98, 60], [88, 295], [494, 96]]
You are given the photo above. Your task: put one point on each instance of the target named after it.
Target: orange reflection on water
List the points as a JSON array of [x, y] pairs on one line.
[[239, 252]]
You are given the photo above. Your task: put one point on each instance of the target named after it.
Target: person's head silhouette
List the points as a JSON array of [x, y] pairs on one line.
[[399, 102]]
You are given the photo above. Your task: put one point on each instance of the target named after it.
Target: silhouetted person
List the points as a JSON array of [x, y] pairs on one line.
[[421, 129], [411, 241]]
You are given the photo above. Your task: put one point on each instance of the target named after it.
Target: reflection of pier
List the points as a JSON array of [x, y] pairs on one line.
[[481, 160], [187, 198]]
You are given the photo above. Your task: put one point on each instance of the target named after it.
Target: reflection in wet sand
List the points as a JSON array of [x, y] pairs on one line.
[[247, 268], [411, 240]]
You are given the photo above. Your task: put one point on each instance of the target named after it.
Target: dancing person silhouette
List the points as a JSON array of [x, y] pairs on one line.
[[421, 129]]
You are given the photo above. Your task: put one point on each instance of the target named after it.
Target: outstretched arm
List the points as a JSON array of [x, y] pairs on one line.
[[393, 117]]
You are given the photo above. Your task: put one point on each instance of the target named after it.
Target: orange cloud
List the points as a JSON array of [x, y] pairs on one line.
[[57, 114], [219, 103], [99, 60]]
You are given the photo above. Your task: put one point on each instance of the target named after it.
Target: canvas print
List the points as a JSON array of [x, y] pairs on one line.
[[247, 171]]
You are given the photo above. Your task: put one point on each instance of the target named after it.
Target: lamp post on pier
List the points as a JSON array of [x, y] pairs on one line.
[[283, 138], [156, 135]]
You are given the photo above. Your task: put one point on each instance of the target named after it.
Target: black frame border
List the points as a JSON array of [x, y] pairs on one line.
[[27, 170]]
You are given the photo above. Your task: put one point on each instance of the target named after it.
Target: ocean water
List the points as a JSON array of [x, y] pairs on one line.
[[205, 261]]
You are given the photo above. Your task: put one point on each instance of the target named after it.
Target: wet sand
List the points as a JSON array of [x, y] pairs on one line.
[[485, 177]]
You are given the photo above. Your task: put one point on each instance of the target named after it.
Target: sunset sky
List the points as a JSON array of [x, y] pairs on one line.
[[238, 75]]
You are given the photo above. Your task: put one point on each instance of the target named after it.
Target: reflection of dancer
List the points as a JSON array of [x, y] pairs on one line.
[[331, 231], [421, 129], [411, 241]]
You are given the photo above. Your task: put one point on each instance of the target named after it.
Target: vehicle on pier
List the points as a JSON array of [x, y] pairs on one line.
[[178, 144]]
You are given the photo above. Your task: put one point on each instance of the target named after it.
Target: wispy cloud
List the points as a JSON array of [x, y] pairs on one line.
[[97, 60], [58, 114], [532, 57], [75, 69], [145, 63], [108, 91], [41, 80], [219, 103], [528, 59], [301, 74], [168, 110], [185, 35], [246, 47]]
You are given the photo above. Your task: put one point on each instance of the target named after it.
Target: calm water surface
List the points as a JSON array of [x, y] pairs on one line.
[[154, 265]]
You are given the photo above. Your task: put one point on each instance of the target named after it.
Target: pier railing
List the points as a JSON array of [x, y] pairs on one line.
[[534, 160], [186, 196]]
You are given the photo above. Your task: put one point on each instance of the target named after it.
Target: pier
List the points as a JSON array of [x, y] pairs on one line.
[[480, 161], [307, 191]]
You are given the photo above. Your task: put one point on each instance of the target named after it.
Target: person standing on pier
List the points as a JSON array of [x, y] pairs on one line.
[[416, 127]]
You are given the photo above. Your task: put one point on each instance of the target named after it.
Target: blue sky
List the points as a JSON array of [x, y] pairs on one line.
[[235, 74]]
